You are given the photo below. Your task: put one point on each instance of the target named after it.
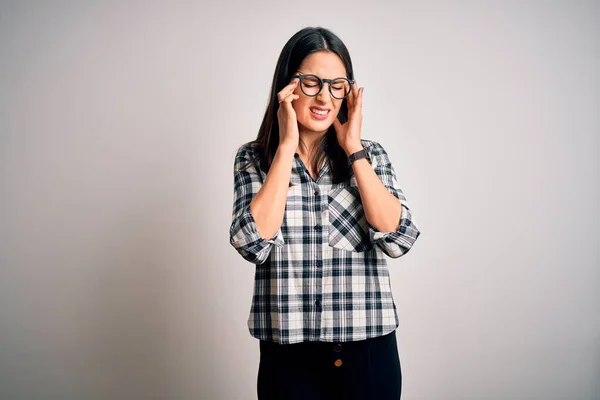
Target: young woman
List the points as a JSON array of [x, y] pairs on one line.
[[317, 208]]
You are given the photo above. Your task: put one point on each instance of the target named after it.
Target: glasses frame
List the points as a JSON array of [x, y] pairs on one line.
[[322, 82]]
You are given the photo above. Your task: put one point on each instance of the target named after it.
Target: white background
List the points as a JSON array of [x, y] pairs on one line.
[[119, 122]]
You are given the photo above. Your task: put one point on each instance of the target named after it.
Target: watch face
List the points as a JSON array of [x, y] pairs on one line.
[[360, 154]]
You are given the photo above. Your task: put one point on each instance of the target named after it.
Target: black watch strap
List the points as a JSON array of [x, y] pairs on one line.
[[358, 155]]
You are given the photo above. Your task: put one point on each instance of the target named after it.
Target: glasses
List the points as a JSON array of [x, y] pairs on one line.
[[311, 85]]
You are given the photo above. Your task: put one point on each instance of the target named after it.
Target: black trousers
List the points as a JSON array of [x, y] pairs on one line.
[[363, 370]]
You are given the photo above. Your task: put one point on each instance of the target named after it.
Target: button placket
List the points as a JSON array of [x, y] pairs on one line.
[[316, 207], [337, 348]]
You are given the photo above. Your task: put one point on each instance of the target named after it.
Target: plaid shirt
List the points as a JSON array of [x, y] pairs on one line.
[[323, 276]]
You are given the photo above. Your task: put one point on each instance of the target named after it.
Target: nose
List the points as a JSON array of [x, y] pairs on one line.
[[325, 94]]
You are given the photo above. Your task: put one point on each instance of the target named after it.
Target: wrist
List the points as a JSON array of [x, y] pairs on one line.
[[353, 149], [287, 149]]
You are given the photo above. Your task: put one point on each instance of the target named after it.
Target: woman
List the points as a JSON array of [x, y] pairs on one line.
[[317, 208]]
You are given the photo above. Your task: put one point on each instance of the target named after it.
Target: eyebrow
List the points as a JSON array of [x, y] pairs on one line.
[[311, 73]]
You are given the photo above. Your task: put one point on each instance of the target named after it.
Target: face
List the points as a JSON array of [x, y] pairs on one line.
[[324, 65]]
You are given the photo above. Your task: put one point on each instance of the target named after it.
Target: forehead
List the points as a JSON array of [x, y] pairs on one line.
[[323, 64]]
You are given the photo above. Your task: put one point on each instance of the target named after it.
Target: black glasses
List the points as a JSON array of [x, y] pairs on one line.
[[311, 85]]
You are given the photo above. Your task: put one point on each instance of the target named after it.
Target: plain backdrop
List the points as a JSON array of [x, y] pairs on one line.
[[119, 122]]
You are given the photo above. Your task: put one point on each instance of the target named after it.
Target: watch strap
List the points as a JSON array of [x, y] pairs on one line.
[[358, 155]]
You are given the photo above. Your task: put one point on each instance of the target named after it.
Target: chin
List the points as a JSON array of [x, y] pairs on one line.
[[318, 126]]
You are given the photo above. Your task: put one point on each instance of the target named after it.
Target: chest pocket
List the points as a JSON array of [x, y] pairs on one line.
[[348, 227]]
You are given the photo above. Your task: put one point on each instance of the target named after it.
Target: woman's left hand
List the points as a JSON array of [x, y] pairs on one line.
[[348, 134]]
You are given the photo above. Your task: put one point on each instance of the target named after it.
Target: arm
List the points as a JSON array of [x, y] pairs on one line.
[[268, 206], [258, 207], [391, 225]]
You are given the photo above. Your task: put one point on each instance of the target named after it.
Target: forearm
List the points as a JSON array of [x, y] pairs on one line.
[[268, 206], [382, 208]]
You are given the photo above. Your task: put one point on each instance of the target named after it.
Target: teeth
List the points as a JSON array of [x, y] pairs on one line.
[[320, 112]]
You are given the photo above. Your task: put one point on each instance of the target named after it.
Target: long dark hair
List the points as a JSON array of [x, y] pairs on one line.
[[305, 42]]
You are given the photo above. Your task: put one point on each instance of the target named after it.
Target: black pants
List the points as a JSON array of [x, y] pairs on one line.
[[363, 370]]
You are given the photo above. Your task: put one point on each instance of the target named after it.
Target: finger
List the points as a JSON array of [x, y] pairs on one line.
[[359, 100], [352, 96], [289, 98], [289, 88], [281, 97], [355, 94], [355, 89]]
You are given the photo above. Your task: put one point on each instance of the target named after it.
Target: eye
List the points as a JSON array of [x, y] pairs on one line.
[[311, 81], [341, 85]]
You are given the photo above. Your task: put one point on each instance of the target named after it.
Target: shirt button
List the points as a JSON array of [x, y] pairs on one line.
[[318, 303], [318, 263], [316, 192], [318, 227], [337, 347], [338, 363]]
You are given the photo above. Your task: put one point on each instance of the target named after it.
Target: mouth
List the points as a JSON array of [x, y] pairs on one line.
[[319, 113]]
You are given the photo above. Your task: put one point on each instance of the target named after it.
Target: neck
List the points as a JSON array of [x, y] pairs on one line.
[[309, 142]]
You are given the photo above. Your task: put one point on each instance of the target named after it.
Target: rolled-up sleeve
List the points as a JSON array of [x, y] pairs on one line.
[[243, 232], [399, 242]]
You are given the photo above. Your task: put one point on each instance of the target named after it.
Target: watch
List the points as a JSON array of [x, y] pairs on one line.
[[358, 155]]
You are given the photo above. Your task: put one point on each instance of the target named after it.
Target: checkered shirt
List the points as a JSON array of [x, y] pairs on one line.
[[324, 275]]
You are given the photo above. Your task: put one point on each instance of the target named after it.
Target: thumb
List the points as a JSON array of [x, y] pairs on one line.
[[337, 125]]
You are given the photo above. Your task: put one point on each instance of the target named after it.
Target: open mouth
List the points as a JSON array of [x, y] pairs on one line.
[[319, 113]]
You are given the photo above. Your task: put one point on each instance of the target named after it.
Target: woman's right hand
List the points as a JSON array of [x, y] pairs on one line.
[[288, 124]]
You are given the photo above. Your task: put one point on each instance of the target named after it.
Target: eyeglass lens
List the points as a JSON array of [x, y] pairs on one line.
[[311, 86]]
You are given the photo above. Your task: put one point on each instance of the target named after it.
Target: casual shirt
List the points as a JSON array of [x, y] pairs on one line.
[[323, 276]]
